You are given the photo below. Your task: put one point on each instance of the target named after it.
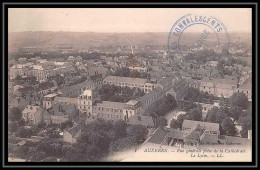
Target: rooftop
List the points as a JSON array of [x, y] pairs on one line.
[[206, 125], [129, 80], [109, 104]]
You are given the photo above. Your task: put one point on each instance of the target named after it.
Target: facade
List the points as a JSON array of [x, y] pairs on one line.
[[130, 82], [35, 115], [62, 112], [225, 88]]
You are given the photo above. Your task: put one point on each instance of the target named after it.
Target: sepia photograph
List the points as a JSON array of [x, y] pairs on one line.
[[129, 85]]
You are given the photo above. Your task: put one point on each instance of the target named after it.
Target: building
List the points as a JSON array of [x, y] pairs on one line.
[[62, 112], [226, 87], [71, 135], [35, 115], [130, 82], [77, 89]]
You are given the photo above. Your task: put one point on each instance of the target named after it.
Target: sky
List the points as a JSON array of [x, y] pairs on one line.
[[119, 19]]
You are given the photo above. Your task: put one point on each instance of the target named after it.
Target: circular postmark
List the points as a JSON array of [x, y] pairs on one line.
[[193, 33]]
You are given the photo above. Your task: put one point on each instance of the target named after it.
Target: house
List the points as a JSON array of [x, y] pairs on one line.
[[71, 135], [77, 89], [35, 115], [130, 82], [61, 112]]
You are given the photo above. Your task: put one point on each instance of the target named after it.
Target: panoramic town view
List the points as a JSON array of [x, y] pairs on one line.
[[78, 96]]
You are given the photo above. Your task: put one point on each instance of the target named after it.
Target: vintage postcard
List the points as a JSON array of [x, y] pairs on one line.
[[130, 85]]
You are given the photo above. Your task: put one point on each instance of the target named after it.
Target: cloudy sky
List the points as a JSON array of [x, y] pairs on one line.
[[118, 20]]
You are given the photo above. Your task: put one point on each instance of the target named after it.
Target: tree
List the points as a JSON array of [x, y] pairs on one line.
[[194, 114], [174, 124], [235, 112], [215, 115], [120, 129], [24, 133], [246, 122], [70, 153], [178, 123], [14, 114], [21, 122], [228, 127], [122, 144], [137, 132], [239, 99], [12, 126], [66, 124], [162, 121]]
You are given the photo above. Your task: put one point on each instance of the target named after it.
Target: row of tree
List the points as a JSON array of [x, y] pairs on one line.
[[98, 140], [126, 72], [119, 94]]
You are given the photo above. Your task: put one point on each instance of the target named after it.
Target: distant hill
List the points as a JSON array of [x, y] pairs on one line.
[[91, 39]]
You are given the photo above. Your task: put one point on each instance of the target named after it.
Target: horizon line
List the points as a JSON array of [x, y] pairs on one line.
[[116, 32]]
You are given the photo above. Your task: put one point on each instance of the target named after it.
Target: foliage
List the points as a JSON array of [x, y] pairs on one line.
[[186, 105], [119, 94], [24, 132], [164, 106], [195, 95], [12, 126], [228, 127], [66, 124], [14, 114], [120, 129], [122, 144], [162, 121], [137, 132], [126, 72], [246, 122], [239, 99], [216, 115], [194, 114]]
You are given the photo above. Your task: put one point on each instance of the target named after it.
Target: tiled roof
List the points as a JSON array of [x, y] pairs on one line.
[[149, 95], [158, 136], [173, 133], [209, 138], [65, 100], [129, 80], [115, 105]]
